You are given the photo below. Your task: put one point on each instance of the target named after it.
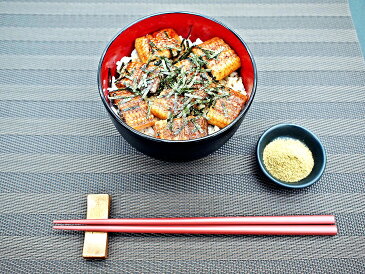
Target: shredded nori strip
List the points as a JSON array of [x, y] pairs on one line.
[[130, 108]]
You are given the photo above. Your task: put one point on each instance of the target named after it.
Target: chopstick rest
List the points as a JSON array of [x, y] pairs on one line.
[[96, 243]]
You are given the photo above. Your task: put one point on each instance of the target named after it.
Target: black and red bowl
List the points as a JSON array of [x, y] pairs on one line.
[[201, 27]]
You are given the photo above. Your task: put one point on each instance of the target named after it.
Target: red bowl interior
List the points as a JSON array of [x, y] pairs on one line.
[[201, 27]]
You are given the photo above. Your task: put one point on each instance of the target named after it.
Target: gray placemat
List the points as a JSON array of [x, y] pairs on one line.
[[57, 143]]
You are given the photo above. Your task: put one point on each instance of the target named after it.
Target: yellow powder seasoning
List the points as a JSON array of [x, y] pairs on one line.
[[288, 160]]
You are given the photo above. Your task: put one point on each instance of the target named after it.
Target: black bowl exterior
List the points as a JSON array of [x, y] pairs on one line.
[[176, 151]]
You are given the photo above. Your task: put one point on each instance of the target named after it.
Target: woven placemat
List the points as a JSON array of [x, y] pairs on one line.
[[57, 143]]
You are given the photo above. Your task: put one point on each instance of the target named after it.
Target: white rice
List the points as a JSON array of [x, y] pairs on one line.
[[212, 129], [126, 59], [233, 81], [148, 131], [197, 41]]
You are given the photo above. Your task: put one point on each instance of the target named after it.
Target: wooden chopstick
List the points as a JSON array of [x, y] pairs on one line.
[[215, 229], [248, 220]]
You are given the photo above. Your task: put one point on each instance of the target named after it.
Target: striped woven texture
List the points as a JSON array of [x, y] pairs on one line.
[[57, 143]]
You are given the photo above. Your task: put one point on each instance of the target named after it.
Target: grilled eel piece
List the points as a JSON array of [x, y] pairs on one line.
[[226, 109], [221, 59], [182, 129], [162, 106], [132, 73], [185, 64], [133, 110], [165, 42], [140, 75], [201, 78], [168, 103]]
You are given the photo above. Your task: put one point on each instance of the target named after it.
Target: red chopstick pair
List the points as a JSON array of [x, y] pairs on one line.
[[255, 225]]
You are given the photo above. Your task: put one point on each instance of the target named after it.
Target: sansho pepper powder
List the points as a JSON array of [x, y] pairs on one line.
[[288, 160]]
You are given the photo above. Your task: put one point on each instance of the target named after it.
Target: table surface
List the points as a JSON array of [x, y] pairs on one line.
[[57, 143], [357, 8]]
